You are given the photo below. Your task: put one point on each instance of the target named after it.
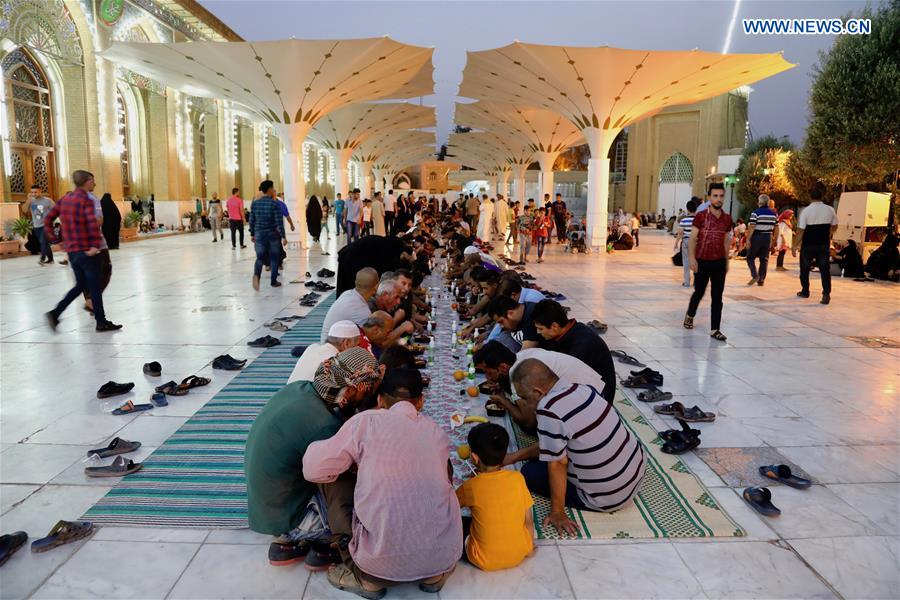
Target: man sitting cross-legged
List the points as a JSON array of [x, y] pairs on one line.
[[585, 456], [341, 335], [297, 415], [400, 506]]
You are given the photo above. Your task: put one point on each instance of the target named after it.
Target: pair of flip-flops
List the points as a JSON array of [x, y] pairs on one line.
[[654, 394], [694, 414], [679, 441], [319, 285], [114, 448], [226, 362], [63, 532], [626, 358], [760, 498], [170, 388], [10, 544], [289, 318], [267, 341], [130, 407], [276, 326], [645, 378], [323, 272]]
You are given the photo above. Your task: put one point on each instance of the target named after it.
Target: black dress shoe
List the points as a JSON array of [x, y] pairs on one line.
[[276, 284], [826, 299], [267, 341], [153, 369], [108, 326], [319, 559], [111, 388], [802, 294]]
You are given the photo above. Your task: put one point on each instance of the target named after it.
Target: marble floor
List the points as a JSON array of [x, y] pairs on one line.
[[788, 381]]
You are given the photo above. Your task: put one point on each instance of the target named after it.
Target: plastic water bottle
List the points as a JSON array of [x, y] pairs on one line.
[[431, 352], [471, 372], [453, 340]]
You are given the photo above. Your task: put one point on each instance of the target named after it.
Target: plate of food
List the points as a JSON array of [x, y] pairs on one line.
[[494, 410]]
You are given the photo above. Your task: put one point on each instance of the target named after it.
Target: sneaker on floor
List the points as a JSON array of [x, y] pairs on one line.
[[108, 326], [281, 555], [802, 294], [826, 299], [52, 320], [321, 557], [752, 281], [276, 284]]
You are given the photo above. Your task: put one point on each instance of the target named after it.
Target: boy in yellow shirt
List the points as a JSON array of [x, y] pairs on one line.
[[501, 534]]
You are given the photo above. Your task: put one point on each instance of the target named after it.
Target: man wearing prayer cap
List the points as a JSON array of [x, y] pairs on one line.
[[299, 414], [341, 335]]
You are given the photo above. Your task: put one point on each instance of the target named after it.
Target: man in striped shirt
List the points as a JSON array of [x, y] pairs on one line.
[[683, 237], [759, 232], [586, 457]]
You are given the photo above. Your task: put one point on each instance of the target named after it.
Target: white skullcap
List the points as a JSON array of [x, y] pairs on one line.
[[470, 250], [465, 225], [344, 329]]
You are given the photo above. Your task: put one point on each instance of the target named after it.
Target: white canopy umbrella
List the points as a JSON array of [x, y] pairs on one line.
[[601, 90], [291, 84]]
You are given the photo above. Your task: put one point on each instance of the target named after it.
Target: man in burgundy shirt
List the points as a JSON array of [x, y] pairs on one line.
[[82, 239], [708, 252]]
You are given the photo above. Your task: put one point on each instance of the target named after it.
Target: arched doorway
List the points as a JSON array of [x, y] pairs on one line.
[[122, 130], [675, 184], [31, 136]]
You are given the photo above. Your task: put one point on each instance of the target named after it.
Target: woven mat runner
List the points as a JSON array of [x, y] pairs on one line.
[[196, 478], [672, 503]]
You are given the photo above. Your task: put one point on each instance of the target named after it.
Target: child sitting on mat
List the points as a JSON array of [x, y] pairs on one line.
[[500, 532]]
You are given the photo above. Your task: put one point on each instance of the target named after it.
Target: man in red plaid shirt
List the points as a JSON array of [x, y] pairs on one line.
[[82, 240]]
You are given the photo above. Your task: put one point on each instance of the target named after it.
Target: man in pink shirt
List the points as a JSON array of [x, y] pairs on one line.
[[404, 517], [235, 207]]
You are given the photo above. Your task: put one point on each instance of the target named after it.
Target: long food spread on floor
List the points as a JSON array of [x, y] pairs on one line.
[[196, 479]]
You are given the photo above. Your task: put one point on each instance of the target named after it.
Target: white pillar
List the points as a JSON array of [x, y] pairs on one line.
[[503, 187], [597, 202], [379, 181], [292, 138], [341, 170], [546, 160], [519, 181], [388, 181], [492, 185], [366, 167]]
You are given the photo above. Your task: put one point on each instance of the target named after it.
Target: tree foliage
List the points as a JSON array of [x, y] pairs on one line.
[[763, 170], [853, 138]]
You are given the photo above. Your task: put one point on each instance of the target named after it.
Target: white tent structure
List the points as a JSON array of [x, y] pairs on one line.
[[290, 84], [377, 156], [343, 130], [601, 90], [495, 151], [547, 133]]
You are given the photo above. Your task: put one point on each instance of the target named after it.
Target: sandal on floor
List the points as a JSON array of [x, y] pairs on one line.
[[159, 399], [193, 381], [697, 415], [688, 322], [686, 431], [782, 474], [760, 498], [119, 467], [672, 409], [10, 544], [153, 369], [111, 388], [679, 443], [170, 388], [63, 533], [643, 381], [130, 407], [627, 359], [115, 447], [718, 335], [434, 588], [346, 580], [654, 395], [276, 326]]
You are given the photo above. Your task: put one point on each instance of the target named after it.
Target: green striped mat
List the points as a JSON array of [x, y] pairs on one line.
[[672, 502], [196, 478]]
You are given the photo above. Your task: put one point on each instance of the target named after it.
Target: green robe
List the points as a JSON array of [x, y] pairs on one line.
[[277, 493]]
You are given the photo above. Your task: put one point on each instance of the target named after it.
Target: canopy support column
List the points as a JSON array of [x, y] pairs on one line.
[[546, 160], [292, 138]]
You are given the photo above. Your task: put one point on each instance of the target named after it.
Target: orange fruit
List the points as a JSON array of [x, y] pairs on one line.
[[454, 306], [459, 375], [472, 391], [464, 451]]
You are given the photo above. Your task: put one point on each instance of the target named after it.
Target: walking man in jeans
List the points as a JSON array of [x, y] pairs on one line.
[[708, 251], [814, 230], [267, 232], [353, 217], [38, 207], [759, 232], [559, 218], [82, 239], [235, 208]]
